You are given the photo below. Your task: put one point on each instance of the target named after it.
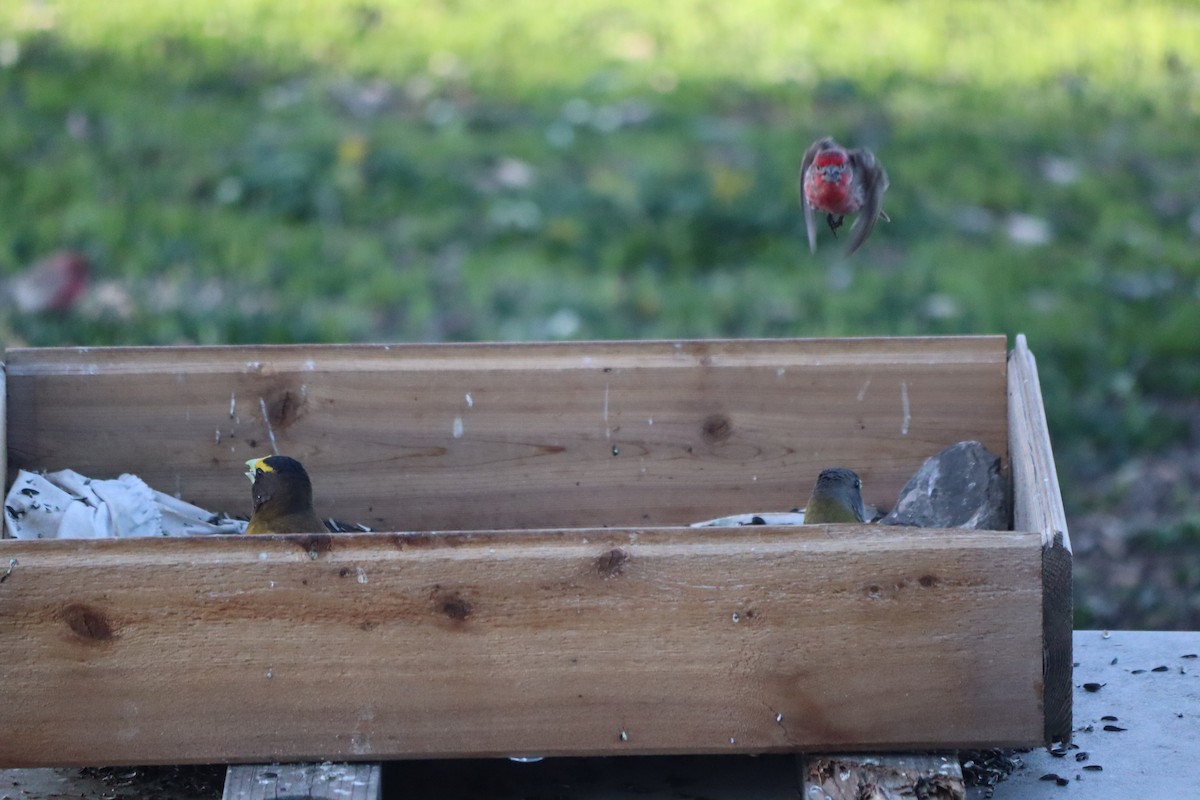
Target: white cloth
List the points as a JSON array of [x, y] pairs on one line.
[[67, 505], [764, 518]]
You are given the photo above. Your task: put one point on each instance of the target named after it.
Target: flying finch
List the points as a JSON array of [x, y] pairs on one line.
[[839, 182], [53, 284]]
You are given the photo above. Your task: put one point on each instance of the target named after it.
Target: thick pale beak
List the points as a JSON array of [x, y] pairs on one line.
[[253, 465]]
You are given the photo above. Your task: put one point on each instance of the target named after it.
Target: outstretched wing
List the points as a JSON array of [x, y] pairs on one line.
[[874, 183], [810, 154]]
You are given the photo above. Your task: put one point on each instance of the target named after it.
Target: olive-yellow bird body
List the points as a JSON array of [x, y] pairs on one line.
[[283, 497], [836, 497]]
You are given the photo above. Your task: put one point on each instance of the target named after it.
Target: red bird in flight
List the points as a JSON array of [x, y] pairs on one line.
[[53, 284], [839, 182]]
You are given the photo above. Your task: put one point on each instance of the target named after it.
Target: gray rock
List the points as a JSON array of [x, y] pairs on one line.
[[960, 487]]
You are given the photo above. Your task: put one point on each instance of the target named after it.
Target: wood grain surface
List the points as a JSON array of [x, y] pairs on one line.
[[1038, 506], [583, 642], [323, 781], [483, 437]]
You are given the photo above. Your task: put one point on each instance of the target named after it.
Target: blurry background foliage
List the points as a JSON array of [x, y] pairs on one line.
[[396, 170]]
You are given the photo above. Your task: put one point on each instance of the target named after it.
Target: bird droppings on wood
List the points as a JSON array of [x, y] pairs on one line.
[[88, 623], [267, 421], [612, 563]]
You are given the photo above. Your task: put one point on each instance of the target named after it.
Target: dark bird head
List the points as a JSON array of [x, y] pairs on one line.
[[280, 481], [836, 497]]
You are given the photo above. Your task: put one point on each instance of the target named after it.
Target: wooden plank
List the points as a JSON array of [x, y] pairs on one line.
[[582, 642], [324, 781], [4, 426], [478, 437], [1037, 499], [850, 776], [1038, 506]]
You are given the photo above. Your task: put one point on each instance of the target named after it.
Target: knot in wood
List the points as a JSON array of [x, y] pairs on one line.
[[87, 622], [612, 563], [716, 428]]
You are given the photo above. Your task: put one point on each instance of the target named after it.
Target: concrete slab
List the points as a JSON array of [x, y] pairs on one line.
[[1147, 682]]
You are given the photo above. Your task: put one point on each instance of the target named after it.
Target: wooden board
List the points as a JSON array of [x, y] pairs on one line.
[[324, 781], [583, 642], [1038, 506], [849, 776], [4, 423], [485, 437]]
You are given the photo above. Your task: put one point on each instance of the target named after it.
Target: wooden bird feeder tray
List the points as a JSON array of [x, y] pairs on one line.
[[536, 590]]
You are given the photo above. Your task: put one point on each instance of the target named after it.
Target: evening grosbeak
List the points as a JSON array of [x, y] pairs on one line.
[[836, 497], [839, 182], [282, 496]]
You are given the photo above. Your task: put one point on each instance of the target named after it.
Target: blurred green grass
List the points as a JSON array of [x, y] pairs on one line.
[[345, 170]]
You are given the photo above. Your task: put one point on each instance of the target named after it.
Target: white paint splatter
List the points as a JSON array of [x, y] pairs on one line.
[[310, 365], [232, 404], [456, 430], [779, 373], [470, 402], [607, 430], [863, 391], [907, 410], [267, 421], [362, 574]]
